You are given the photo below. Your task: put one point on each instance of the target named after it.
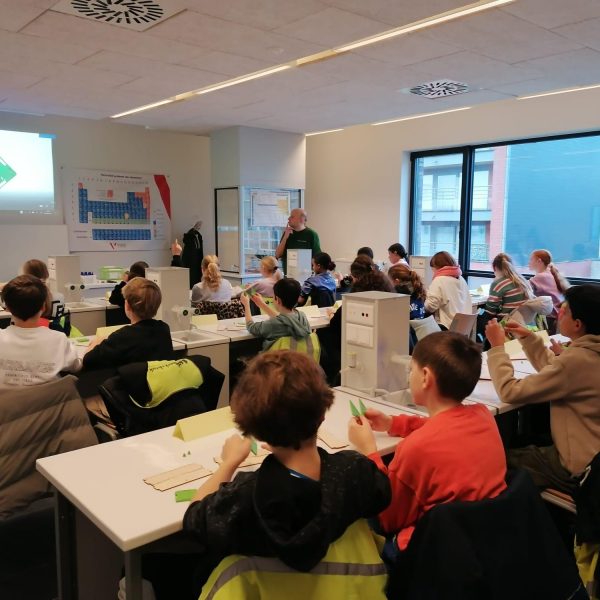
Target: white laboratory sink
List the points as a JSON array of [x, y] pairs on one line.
[[191, 336], [72, 305]]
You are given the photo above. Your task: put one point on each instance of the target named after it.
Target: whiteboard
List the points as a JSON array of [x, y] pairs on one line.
[[111, 210], [270, 208]]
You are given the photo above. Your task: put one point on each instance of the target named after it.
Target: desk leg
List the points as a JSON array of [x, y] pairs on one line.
[[133, 575], [64, 519]]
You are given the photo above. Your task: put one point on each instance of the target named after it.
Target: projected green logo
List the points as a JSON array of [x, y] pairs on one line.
[[6, 172]]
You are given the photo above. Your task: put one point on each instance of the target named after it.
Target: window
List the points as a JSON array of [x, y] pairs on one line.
[[519, 196]]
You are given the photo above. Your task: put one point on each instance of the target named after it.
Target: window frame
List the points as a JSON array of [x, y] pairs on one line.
[[466, 200]]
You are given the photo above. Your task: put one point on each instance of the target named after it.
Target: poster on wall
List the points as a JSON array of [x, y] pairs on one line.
[[270, 208], [111, 210]]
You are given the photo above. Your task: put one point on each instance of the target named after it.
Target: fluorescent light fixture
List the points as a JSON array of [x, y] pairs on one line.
[[238, 80], [565, 91], [321, 132], [433, 114], [142, 108], [424, 23]]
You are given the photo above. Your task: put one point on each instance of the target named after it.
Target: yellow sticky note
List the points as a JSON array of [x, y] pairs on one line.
[[104, 332], [199, 320], [310, 311], [205, 424]]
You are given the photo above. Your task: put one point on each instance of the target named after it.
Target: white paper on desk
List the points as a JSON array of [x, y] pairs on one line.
[[330, 440], [175, 477]]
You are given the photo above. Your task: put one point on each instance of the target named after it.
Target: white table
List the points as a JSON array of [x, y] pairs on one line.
[[105, 483]]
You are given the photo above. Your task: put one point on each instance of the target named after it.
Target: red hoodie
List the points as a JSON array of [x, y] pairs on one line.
[[455, 455]]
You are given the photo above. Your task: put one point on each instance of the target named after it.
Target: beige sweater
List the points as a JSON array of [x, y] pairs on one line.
[[570, 382]]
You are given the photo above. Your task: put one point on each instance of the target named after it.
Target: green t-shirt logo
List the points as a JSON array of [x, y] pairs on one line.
[[6, 172]]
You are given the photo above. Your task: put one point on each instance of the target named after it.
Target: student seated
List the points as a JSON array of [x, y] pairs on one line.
[[397, 254], [30, 354], [145, 339], [448, 293], [320, 286], [407, 281], [455, 454], [213, 286], [302, 498], [284, 319], [569, 381], [39, 269], [271, 274], [137, 269]]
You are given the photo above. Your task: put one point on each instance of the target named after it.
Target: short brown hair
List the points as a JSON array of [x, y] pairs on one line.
[[37, 268], [143, 297], [454, 359], [24, 296], [281, 398], [442, 259]]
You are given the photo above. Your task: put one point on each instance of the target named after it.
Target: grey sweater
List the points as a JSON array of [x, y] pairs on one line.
[[294, 324]]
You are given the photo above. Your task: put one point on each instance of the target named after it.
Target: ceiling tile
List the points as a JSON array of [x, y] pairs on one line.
[[262, 14], [501, 36], [397, 12], [579, 67], [17, 13], [332, 27], [228, 64], [19, 44], [15, 81], [554, 13], [586, 32], [225, 36]]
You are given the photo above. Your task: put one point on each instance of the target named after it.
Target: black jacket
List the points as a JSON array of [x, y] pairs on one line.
[[116, 296], [493, 549], [271, 513], [146, 340], [587, 501]]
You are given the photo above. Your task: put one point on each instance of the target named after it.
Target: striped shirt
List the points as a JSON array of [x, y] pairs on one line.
[[504, 297]]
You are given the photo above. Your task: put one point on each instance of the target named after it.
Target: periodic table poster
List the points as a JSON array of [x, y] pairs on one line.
[[110, 210]]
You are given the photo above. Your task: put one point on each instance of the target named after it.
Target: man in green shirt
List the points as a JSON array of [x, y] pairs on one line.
[[297, 236]]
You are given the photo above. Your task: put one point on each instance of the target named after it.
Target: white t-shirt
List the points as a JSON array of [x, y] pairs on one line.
[[29, 356], [222, 294], [447, 296]]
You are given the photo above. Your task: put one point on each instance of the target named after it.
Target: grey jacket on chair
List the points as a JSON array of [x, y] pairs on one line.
[[37, 421]]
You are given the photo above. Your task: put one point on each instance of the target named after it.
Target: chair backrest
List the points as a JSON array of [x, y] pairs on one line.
[[498, 548], [463, 323], [37, 421], [424, 327], [204, 319], [322, 297], [352, 568], [308, 345], [527, 312], [131, 419]]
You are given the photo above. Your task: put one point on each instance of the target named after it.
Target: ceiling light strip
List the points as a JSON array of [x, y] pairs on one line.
[[321, 132], [433, 114], [563, 91], [142, 108], [238, 80], [423, 23]]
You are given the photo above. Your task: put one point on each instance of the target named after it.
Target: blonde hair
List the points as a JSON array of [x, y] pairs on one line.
[[405, 275], [143, 296], [270, 264], [211, 275], [503, 263], [562, 283]]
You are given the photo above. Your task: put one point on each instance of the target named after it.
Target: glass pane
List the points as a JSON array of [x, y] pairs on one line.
[[538, 195], [437, 188]]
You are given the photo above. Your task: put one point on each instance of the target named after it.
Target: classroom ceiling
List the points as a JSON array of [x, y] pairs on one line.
[[53, 63]]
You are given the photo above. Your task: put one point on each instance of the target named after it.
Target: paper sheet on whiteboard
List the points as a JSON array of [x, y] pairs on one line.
[[270, 208]]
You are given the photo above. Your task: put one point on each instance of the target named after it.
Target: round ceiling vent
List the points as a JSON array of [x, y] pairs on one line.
[[120, 12], [439, 89]]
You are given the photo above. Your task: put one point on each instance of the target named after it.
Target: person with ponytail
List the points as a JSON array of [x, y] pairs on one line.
[[271, 274], [448, 293], [366, 277], [548, 280], [213, 286], [407, 281], [508, 290], [321, 285]]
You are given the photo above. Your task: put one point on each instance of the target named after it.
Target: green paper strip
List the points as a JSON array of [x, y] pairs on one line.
[[254, 447], [184, 495], [355, 412], [363, 408]]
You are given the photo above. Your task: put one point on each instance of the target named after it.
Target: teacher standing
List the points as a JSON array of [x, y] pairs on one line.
[[297, 236]]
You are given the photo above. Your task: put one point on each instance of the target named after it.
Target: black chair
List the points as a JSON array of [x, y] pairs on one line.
[[131, 419], [499, 548], [322, 297]]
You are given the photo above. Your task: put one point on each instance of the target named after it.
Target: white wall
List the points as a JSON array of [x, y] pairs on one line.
[[82, 143], [357, 180]]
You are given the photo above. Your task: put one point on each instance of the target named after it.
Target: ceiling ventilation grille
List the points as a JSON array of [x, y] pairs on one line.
[[439, 89], [138, 15]]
